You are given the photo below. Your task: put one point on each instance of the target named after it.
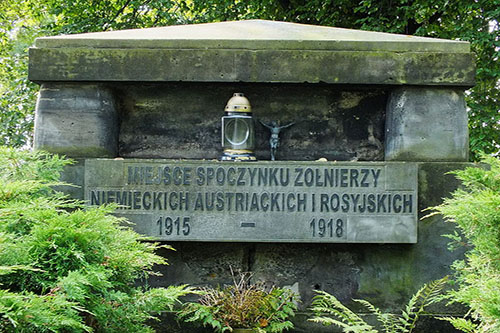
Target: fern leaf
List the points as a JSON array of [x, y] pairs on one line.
[[461, 324], [424, 297], [327, 321], [387, 320], [325, 306]]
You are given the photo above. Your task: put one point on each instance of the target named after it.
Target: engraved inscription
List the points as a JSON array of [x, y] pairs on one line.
[[173, 225], [262, 201], [328, 227]]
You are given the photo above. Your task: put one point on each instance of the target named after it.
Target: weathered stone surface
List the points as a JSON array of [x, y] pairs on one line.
[[182, 120], [256, 34], [286, 66], [160, 93], [76, 120], [74, 176], [320, 202], [426, 125], [252, 51], [386, 275]]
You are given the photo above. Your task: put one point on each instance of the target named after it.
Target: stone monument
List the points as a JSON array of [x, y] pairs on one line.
[[382, 119]]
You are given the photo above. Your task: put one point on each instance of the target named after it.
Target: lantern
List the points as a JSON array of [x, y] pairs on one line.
[[238, 134]]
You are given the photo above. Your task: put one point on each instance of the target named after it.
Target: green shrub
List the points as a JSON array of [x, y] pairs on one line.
[[475, 209], [65, 267], [243, 305], [328, 310]]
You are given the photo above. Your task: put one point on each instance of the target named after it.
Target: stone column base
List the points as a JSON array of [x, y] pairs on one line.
[[77, 120], [426, 124]]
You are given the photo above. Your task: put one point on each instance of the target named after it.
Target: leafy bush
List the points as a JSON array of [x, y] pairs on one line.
[[65, 267], [328, 310], [243, 305], [475, 210]]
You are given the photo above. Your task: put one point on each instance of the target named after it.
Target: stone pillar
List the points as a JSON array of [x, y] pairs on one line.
[[77, 120], [426, 124]]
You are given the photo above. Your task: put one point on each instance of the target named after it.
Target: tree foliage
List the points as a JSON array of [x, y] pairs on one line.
[[474, 21], [64, 267]]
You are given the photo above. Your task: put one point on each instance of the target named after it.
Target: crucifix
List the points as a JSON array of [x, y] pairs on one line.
[[274, 140]]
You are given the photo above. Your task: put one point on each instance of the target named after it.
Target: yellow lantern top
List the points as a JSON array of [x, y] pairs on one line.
[[238, 103]]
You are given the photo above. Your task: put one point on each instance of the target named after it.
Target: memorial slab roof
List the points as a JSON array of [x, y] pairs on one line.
[[252, 51], [256, 34]]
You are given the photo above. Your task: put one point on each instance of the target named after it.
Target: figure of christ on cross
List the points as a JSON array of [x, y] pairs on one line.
[[274, 140]]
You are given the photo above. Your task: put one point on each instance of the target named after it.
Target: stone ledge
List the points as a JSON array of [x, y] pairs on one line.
[[237, 65]]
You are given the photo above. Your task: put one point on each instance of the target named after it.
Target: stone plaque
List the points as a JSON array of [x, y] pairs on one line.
[[328, 202]]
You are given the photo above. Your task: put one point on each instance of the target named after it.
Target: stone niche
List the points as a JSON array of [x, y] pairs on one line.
[[358, 98]]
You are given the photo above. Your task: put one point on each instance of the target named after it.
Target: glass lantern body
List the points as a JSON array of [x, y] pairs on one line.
[[238, 132], [238, 137]]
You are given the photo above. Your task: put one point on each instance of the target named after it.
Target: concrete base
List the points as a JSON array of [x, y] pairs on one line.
[[170, 86], [385, 275]]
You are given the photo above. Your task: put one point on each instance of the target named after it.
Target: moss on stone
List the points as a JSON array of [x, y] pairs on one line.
[[236, 65]]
